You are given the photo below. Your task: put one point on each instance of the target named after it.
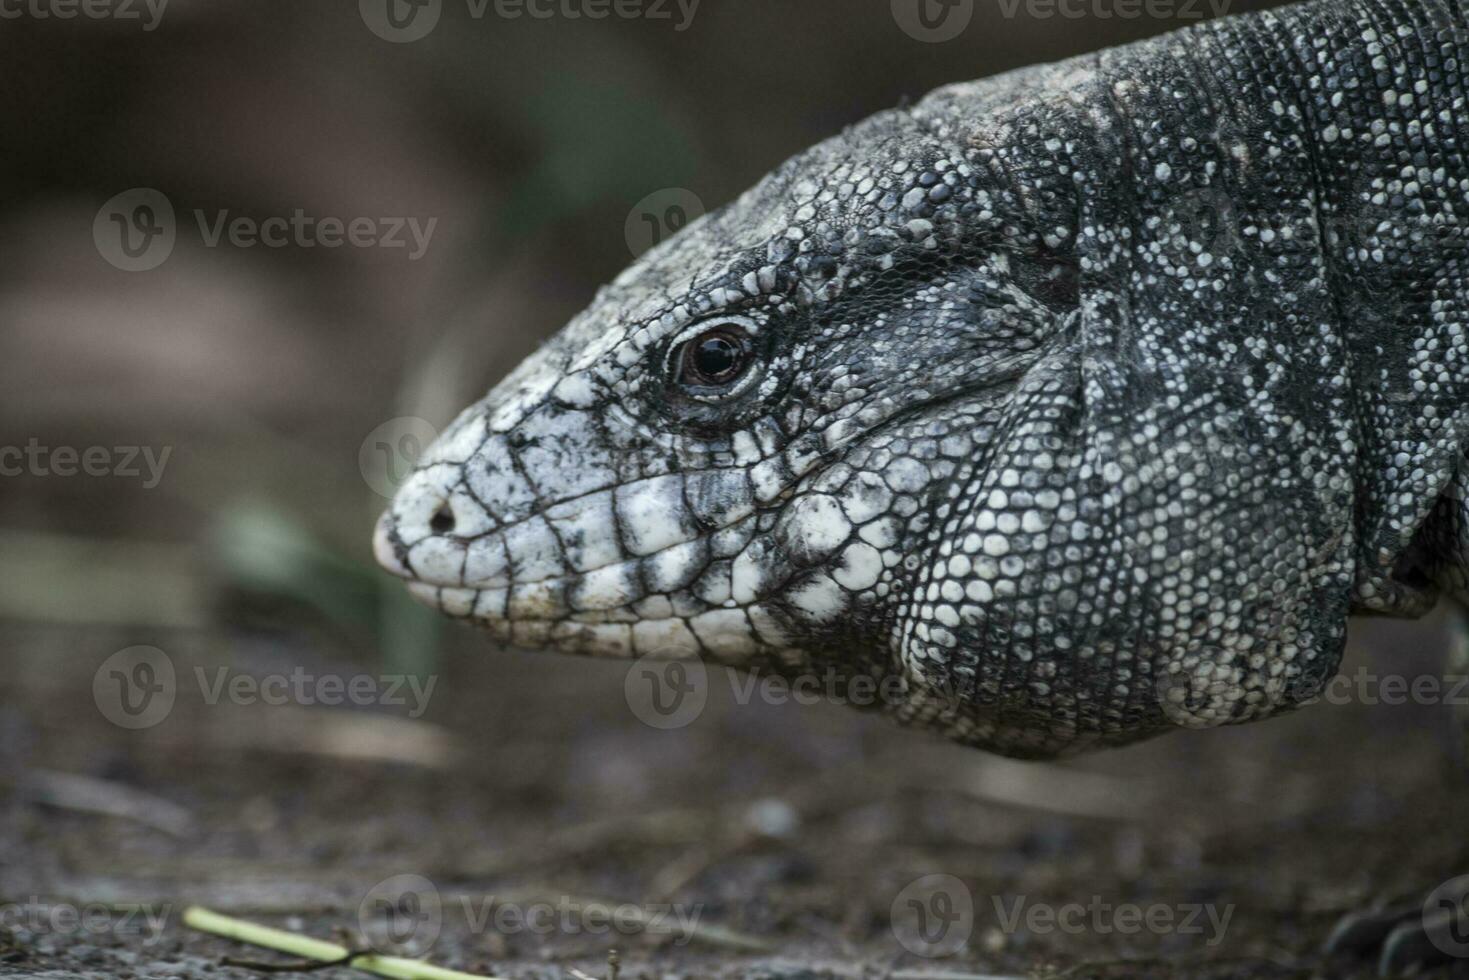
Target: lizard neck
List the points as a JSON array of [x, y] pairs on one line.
[[1384, 99]]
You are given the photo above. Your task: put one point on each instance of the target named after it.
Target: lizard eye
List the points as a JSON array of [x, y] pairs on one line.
[[714, 358]]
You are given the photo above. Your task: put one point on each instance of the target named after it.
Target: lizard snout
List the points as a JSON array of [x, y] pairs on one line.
[[385, 548], [423, 536]]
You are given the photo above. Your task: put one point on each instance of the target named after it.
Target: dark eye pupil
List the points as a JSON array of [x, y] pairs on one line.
[[714, 359]]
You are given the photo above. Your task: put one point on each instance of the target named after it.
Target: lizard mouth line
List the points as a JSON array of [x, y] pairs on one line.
[[591, 597], [464, 604], [634, 568]]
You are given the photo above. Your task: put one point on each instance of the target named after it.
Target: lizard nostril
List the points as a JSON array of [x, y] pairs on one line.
[[443, 520]]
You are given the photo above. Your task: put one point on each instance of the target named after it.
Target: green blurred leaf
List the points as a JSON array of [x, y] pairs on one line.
[[262, 549]]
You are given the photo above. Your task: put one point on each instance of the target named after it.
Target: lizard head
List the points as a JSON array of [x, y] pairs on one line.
[[933, 400], [729, 453]]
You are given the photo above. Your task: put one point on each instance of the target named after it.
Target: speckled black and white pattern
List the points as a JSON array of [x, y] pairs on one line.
[[1089, 399]]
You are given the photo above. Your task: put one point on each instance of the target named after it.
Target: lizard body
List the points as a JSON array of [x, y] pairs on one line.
[[1086, 401]]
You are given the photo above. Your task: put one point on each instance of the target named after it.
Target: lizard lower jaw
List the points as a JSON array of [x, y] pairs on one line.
[[485, 608], [495, 606], [458, 603]]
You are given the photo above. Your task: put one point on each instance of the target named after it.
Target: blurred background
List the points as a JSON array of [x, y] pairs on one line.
[[212, 401]]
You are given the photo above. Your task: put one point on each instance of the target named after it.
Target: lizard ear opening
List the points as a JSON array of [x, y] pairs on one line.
[[1054, 280]]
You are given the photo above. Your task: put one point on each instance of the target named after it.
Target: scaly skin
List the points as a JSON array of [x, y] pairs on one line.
[[1088, 400]]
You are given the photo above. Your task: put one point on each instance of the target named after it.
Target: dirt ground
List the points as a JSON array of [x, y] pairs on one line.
[[786, 834]]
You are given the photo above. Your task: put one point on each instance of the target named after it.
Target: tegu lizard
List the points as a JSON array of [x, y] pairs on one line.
[[1087, 401]]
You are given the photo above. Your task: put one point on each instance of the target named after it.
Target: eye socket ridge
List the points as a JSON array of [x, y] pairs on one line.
[[714, 359]]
